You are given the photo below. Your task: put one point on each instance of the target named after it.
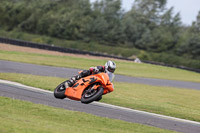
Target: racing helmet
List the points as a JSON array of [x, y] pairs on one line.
[[110, 66]]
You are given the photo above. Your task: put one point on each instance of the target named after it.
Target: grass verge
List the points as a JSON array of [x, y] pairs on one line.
[[25, 117], [123, 67], [181, 103]]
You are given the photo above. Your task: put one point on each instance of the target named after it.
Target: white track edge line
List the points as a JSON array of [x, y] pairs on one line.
[[104, 104]]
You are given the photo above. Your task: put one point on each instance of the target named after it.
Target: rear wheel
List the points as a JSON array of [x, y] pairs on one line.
[[90, 94], [59, 91]]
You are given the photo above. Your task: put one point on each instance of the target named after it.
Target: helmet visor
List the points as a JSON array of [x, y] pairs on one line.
[[112, 70]]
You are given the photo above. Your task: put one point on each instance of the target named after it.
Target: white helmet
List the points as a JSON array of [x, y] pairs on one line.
[[110, 66]]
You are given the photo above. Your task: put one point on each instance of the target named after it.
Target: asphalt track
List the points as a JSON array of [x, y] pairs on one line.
[[16, 67], [38, 96]]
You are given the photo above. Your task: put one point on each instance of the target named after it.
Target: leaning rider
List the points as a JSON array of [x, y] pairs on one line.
[[110, 66]]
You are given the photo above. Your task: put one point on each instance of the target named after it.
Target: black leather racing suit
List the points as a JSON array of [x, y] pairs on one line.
[[84, 73]]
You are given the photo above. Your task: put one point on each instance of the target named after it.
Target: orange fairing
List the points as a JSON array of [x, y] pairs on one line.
[[75, 92], [109, 88]]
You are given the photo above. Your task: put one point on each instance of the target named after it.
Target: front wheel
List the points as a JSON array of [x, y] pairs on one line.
[[90, 95], [59, 91]]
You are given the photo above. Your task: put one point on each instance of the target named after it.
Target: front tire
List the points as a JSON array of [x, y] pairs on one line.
[[59, 91], [90, 95]]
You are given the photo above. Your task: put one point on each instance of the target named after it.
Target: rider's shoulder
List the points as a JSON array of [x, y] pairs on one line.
[[101, 68]]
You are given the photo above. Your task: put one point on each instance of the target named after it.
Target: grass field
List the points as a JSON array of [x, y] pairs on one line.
[[123, 67], [25, 117], [182, 103]]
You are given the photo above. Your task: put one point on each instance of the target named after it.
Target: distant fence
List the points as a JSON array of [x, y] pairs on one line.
[[75, 51]]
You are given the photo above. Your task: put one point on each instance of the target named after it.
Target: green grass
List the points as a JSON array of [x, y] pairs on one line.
[[182, 103], [176, 102], [123, 67], [25, 117]]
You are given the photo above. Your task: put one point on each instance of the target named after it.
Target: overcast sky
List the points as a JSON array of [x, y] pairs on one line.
[[188, 8]]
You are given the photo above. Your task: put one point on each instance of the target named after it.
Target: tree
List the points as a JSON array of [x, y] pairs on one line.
[[191, 46], [109, 14], [150, 26], [12, 14], [196, 24], [152, 9]]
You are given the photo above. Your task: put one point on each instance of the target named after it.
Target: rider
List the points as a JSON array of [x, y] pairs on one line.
[[110, 66]]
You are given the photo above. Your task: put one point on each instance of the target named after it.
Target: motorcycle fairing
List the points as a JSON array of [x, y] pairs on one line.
[[75, 92]]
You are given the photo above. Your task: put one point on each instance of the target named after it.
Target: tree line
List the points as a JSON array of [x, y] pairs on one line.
[[149, 25]]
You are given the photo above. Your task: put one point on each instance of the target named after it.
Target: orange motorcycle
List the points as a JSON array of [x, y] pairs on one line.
[[87, 89]]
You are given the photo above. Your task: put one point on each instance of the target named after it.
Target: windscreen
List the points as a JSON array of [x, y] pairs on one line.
[[111, 76]]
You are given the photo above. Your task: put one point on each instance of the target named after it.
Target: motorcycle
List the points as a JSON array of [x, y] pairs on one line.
[[87, 89]]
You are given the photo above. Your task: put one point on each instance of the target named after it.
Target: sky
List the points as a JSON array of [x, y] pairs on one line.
[[188, 8]]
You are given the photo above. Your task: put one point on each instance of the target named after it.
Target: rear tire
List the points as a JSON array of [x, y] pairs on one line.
[[86, 98], [59, 91]]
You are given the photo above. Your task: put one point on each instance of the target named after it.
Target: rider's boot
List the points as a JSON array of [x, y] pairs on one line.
[[72, 81], [69, 83]]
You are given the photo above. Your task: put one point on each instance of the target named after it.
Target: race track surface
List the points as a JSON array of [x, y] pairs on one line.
[[38, 96], [16, 67]]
